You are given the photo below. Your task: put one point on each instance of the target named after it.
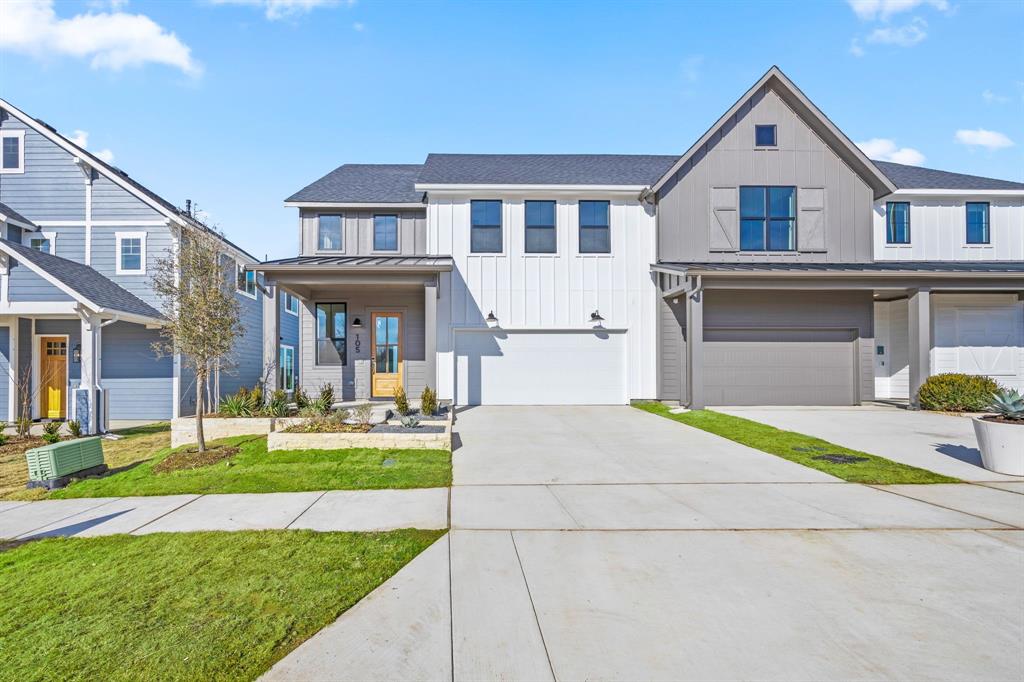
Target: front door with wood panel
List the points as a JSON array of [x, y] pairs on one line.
[[53, 376], [386, 368]]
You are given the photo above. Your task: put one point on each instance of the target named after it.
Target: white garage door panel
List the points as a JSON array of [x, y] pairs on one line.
[[540, 368], [987, 340]]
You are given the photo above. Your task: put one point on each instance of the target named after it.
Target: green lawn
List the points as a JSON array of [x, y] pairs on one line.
[[254, 470], [182, 606], [799, 448]]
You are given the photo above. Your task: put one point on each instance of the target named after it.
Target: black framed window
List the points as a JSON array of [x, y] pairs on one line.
[[485, 230], [897, 222], [329, 237], [540, 227], [331, 324], [767, 218], [977, 223], [595, 227], [385, 233], [764, 136]]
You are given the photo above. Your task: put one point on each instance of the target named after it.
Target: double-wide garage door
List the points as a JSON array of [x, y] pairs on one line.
[[780, 367], [497, 367]]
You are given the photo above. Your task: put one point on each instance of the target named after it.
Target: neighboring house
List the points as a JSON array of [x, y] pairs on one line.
[[772, 263], [79, 240]]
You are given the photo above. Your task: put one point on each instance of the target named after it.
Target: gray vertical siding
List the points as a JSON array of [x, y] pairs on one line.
[[686, 227], [52, 186], [672, 349], [353, 380], [5, 372], [138, 384], [358, 231]]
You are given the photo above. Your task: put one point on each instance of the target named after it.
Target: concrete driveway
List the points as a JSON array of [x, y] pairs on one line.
[[941, 443], [611, 544]]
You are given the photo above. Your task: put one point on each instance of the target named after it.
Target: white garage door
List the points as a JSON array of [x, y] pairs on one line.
[[497, 367]]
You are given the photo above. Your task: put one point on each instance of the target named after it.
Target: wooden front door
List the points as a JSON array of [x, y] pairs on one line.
[[386, 369], [53, 376]]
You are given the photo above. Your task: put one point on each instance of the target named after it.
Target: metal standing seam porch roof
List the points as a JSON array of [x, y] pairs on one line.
[[359, 263], [1001, 268]]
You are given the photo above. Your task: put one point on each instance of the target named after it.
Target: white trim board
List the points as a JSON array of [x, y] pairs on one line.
[[119, 238]]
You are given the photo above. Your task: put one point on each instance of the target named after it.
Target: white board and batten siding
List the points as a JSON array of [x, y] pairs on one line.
[[938, 230], [537, 294]]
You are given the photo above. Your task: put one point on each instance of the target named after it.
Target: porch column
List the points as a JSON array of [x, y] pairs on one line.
[[695, 347], [271, 337], [920, 336], [87, 407], [430, 334]]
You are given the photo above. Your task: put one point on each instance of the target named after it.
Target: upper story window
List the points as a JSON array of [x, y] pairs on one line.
[[540, 227], [767, 218], [331, 348], [897, 222], [12, 151], [977, 223], [43, 241], [595, 227], [329, 233], [291, 303], [385, 233], [246, 281], [764, 136], [485, 227], [131, 253]]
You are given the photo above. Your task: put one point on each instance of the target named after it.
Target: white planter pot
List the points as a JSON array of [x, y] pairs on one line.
[[1001, 445]]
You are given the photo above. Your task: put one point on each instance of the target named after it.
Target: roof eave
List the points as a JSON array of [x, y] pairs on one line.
[[697, 270], [909, 191], [353, 204], [502, 187]]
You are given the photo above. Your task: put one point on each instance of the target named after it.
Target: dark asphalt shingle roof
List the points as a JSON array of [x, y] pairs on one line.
[[1009, 267], [545, 169], [915, 177], [86, 281], [14, 215], [369, 262], [361, 183]]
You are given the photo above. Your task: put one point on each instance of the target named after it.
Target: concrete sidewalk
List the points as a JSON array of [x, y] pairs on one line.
[[336, 510]]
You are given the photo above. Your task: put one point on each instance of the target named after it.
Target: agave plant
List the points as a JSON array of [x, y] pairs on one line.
[[410, 421], [237, 405], [1008, 404]]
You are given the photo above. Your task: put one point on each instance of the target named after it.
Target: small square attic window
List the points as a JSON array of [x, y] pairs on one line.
[[764, 136]]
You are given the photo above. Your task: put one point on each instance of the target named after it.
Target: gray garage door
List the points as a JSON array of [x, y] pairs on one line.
[[779, 367]]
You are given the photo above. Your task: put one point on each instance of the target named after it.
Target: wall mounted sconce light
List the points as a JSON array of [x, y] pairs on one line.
[[491, 319], [357, 323], [596, 319], [76, 354]]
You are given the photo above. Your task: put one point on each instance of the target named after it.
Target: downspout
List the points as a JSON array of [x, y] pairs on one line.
[[690, 292]]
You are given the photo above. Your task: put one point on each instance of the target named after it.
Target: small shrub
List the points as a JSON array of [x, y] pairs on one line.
[[3, 439], [428, 401], [299, 396], [51, 432], [363, 413], [256, 399], [75, 427], [327, 395], [310, 412], [957, 393], [401, 401], [24, 424], [237, 405], [278, 404], [410, 421], [342, 415], [1008, 404]]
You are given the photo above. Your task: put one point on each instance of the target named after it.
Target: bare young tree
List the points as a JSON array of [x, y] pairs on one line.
[[196, 287]]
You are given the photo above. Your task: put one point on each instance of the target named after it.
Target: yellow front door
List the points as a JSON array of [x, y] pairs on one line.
[[386, 372], [53, 373]]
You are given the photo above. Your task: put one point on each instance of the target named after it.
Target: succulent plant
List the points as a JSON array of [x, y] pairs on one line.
[[1008, 404], [410, 421]]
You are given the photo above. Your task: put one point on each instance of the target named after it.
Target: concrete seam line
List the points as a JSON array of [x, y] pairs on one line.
[[14, 507], [451, 608], [988, 485], [533, 606], [564, 508], [942, 506], [305, 510], [65, 518], [170, 511]]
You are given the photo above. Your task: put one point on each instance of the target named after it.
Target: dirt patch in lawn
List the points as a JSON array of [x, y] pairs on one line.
[[193, 459], [13, 469]]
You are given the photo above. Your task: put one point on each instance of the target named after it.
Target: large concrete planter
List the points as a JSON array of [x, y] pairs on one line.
[[1001, 445], [279, 440], [183, 429]]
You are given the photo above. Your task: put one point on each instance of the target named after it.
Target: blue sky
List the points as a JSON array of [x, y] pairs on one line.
[[238, 103]]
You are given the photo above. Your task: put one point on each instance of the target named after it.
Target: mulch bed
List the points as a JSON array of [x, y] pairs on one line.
[[396, 428], [314, 427], [1001, 420], [193, 459]]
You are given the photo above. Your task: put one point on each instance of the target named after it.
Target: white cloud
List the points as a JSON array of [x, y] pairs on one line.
[[81, 138], [283, 9], [359, 26], [113, 40], [989, 139], [883, 149], [855, 49], [691, 68], [904, 36], [994, 98], [869, 10]]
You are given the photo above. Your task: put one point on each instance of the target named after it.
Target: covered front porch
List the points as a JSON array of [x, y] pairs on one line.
[[367, 325]]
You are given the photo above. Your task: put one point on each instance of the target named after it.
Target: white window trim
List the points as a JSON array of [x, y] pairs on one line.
[[27, 238], [283, 347], [241, 267], [288, 308], [119, 238], [20, 134]]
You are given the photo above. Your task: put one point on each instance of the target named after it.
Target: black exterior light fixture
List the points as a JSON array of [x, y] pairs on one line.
[[596, 319], [76, 354], [357, 323], [491, 319]]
